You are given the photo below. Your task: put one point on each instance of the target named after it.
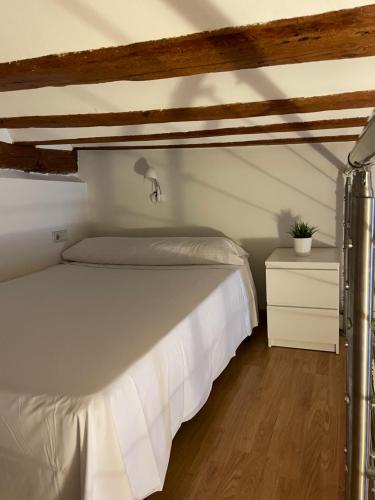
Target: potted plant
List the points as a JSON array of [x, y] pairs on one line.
[[302, 236]]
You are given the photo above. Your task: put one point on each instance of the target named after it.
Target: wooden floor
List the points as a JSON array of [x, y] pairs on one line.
[[272, 429]]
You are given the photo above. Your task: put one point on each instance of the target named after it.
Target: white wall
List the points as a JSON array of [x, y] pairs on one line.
[[30, 209], [249, 194]]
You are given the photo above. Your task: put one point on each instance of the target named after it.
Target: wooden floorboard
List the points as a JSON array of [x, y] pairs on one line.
[[272, 429]]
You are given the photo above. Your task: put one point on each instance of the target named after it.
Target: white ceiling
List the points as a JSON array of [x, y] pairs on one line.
[[40, 27]]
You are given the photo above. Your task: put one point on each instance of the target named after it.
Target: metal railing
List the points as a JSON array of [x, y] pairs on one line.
[[358, 323]]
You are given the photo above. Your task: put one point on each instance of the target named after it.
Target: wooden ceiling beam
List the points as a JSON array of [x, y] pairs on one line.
[[196, 134], [332, 35], [31, 159], [346, 100], [263, 142]]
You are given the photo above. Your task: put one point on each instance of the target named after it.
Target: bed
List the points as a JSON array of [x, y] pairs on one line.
[[100, 363]]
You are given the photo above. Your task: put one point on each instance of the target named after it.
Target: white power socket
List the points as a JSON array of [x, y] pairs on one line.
[[59, 236]]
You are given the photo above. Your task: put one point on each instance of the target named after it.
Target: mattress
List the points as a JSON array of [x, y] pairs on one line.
[[99, 367]]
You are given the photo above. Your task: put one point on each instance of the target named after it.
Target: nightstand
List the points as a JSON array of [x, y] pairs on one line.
[[303, 299]]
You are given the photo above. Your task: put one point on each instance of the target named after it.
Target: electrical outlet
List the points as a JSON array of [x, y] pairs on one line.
[[59, 236]]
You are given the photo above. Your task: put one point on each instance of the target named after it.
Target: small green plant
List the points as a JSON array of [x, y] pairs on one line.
[[302, 230]]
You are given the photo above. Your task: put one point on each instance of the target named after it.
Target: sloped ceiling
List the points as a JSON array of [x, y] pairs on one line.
[[41, 27]]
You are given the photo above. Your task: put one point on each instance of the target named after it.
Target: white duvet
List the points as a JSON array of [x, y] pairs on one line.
[[99, 366]]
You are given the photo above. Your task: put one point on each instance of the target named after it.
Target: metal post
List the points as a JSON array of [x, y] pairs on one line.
[[363, 284], [347, 323], [347, 248]]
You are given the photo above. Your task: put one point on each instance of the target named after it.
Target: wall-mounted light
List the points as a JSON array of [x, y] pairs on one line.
[[156, 194]]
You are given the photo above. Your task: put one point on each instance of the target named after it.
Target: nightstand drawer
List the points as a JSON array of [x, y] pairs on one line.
[[304, 328], [303, 288]]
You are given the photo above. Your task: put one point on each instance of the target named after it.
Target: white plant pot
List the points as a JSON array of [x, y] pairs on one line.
[[302, 246]]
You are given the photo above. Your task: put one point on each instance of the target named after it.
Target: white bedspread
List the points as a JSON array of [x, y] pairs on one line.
[[99, 366]]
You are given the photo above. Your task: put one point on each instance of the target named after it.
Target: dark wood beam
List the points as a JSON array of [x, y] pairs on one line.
[[30, 159], [263, 142], [196, 134], [346, 100], [333, 35]]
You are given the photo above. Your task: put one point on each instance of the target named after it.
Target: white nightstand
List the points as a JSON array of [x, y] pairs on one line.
[[303, 299]]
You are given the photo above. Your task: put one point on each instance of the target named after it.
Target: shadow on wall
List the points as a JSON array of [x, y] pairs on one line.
[[141, 166], [41, 252], [162, 231], [216, 206], [284, 222], [282, 219]]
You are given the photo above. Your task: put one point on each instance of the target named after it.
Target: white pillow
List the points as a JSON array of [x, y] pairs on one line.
[[156, 251]]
